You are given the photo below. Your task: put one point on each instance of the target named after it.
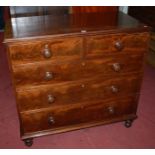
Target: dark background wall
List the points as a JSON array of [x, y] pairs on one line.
[[1, 18]]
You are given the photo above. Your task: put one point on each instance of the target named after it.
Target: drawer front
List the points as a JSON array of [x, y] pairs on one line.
[[109, 44], [47, 73], [45, 50], [73, 115], [77, 92]]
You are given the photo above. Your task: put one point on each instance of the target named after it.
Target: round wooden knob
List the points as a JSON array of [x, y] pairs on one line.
[[50, 98], [83, 86], [51, 120], [116, 67], [111, 110], [48, 75], [47, 53], [83, 64], [119, 45], [114, 89]]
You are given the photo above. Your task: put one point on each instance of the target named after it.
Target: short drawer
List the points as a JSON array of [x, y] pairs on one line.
[[45, 50], [47, 73], [119, 43], [65, 116], [77, 92]]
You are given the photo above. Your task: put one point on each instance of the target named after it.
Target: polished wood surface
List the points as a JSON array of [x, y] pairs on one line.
[[105, 44], [35, 51], [74, 70], [75, 75], [77, 114], [77, 92], [64, 47], [89, 9], [44, 26], [127, 118]]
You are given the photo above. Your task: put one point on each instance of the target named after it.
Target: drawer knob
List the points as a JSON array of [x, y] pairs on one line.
[[83, 64], [111, 110], [51, 120], [47, 53], [51, 98], [48, 76], [83, 85], [119, 45], [114, 89], [116, 67]]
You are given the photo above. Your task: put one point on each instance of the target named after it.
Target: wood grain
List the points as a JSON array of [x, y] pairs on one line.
[[34, 51], [89, 9], [75, 70], [71, 115], [101, 44], [35, 27], [77, 92], [78, 126]]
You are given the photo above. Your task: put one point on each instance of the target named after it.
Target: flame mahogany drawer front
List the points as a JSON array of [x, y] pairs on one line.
[[67, 78], [77, 92], [114, 44], [63, 48], [49, 73], [45, 50], [77, 114]]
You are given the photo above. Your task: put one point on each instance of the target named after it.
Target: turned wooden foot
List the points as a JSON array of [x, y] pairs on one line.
[[128, 123], [28, 142]]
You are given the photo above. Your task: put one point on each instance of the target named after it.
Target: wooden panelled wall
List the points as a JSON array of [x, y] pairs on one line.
[[22, 11], [79, 9]]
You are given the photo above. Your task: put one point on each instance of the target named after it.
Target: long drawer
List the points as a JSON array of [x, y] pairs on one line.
[[73, 115], [77, 92], [48, 73]]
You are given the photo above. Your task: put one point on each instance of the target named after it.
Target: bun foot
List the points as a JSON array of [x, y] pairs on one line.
[[128, 123], [28, 142]]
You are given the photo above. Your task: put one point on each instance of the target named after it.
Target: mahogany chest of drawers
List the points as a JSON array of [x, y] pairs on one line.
[[75, 71]]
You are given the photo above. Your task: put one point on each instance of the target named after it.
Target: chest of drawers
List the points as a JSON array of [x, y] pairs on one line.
[[75, 71]]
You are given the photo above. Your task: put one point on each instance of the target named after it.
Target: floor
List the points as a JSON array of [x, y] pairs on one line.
[[140, 135]]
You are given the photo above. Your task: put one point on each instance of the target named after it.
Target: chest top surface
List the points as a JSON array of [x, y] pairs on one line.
[[69, 24]]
